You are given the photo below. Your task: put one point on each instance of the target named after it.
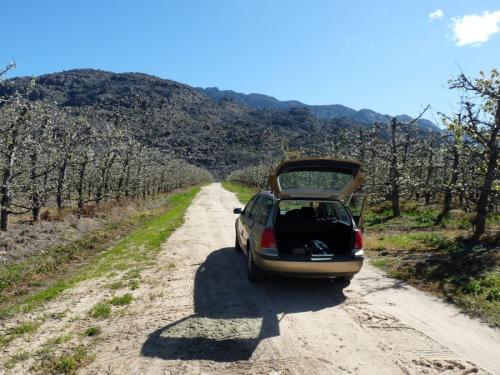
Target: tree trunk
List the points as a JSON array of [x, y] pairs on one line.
[[127, 181], [6, 182], [5, 199], [362, 146], [394, 173], [427, 197], [124, 178], [81, 176], [140, 182], [60, 185], [35, 196], [103, 187], [482, 204], [4, 218], [100, 187], [35, 211], [461, 200], [428, 177], [448, 197]]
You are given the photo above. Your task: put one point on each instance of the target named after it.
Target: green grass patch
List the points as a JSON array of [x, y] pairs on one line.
[[102, 310], [426, 218], [384, 263], [92, 331], [374, 217], [412, 240], [66, 363], [383, 219], [133, 274], [121, 300], [133, 284], [131, 252], [487, 287], [396, 241], [16, 358], [59, 340], [116, 285], [26, 327], [243, 193], [52, 343], [19, 330], [479, 295], [414, 216]]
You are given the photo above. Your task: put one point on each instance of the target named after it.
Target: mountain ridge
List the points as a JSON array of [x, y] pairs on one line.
[[363, 116]]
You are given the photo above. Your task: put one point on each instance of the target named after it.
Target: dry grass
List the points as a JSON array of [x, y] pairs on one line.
[[66, 265], [57, 227]]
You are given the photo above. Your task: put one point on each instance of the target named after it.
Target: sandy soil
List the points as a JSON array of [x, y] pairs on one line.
[[203, 317]]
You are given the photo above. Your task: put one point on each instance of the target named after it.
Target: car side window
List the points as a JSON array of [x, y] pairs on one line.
[[249, 205], [265, 208], [341, 212], [254, 209]]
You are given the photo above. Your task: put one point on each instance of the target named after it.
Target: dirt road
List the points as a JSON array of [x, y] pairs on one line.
[[196, 313]]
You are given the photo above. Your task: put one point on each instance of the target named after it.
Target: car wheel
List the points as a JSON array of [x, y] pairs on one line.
[[237, 246], [254, 274], [345, 279]]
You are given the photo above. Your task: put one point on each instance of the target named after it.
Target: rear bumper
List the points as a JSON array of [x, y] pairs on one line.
[[312, 267]]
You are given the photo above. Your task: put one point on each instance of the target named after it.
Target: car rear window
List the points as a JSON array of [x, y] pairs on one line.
[[318, 180]]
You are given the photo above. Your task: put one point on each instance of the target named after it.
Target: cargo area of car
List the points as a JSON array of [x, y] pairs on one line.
[[311, 228]]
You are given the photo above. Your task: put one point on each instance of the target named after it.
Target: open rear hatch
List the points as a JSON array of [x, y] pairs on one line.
[[317, 178]]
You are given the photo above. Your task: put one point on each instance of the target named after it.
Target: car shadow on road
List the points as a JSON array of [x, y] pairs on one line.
[[232, 316]]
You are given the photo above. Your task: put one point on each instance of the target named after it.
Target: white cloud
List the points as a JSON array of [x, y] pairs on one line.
[[437, 14], [475, 29]]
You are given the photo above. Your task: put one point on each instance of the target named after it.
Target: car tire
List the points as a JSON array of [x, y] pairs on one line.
[[346, 279], [237, 246], [254, 273]]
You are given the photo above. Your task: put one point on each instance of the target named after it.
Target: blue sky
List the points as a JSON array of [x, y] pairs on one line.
[[390, 56]]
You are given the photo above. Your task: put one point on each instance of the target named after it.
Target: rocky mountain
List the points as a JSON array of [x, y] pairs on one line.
[[323, 112], [220, 134]]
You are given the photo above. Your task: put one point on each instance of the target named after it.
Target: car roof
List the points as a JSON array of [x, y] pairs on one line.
[[269, 194], [266, 193]]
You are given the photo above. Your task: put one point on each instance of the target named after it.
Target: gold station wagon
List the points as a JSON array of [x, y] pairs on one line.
[[308, 225]]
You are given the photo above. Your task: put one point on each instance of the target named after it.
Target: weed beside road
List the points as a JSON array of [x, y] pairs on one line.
[[437, 258], [244, 193]]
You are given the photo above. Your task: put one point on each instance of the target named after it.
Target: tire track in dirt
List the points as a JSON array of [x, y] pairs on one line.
[[415, 352]]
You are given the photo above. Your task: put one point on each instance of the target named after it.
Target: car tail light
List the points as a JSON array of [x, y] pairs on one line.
[[358, 240], [268, 239]]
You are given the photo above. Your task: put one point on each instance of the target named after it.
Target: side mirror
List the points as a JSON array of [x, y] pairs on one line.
[[237, 211]]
